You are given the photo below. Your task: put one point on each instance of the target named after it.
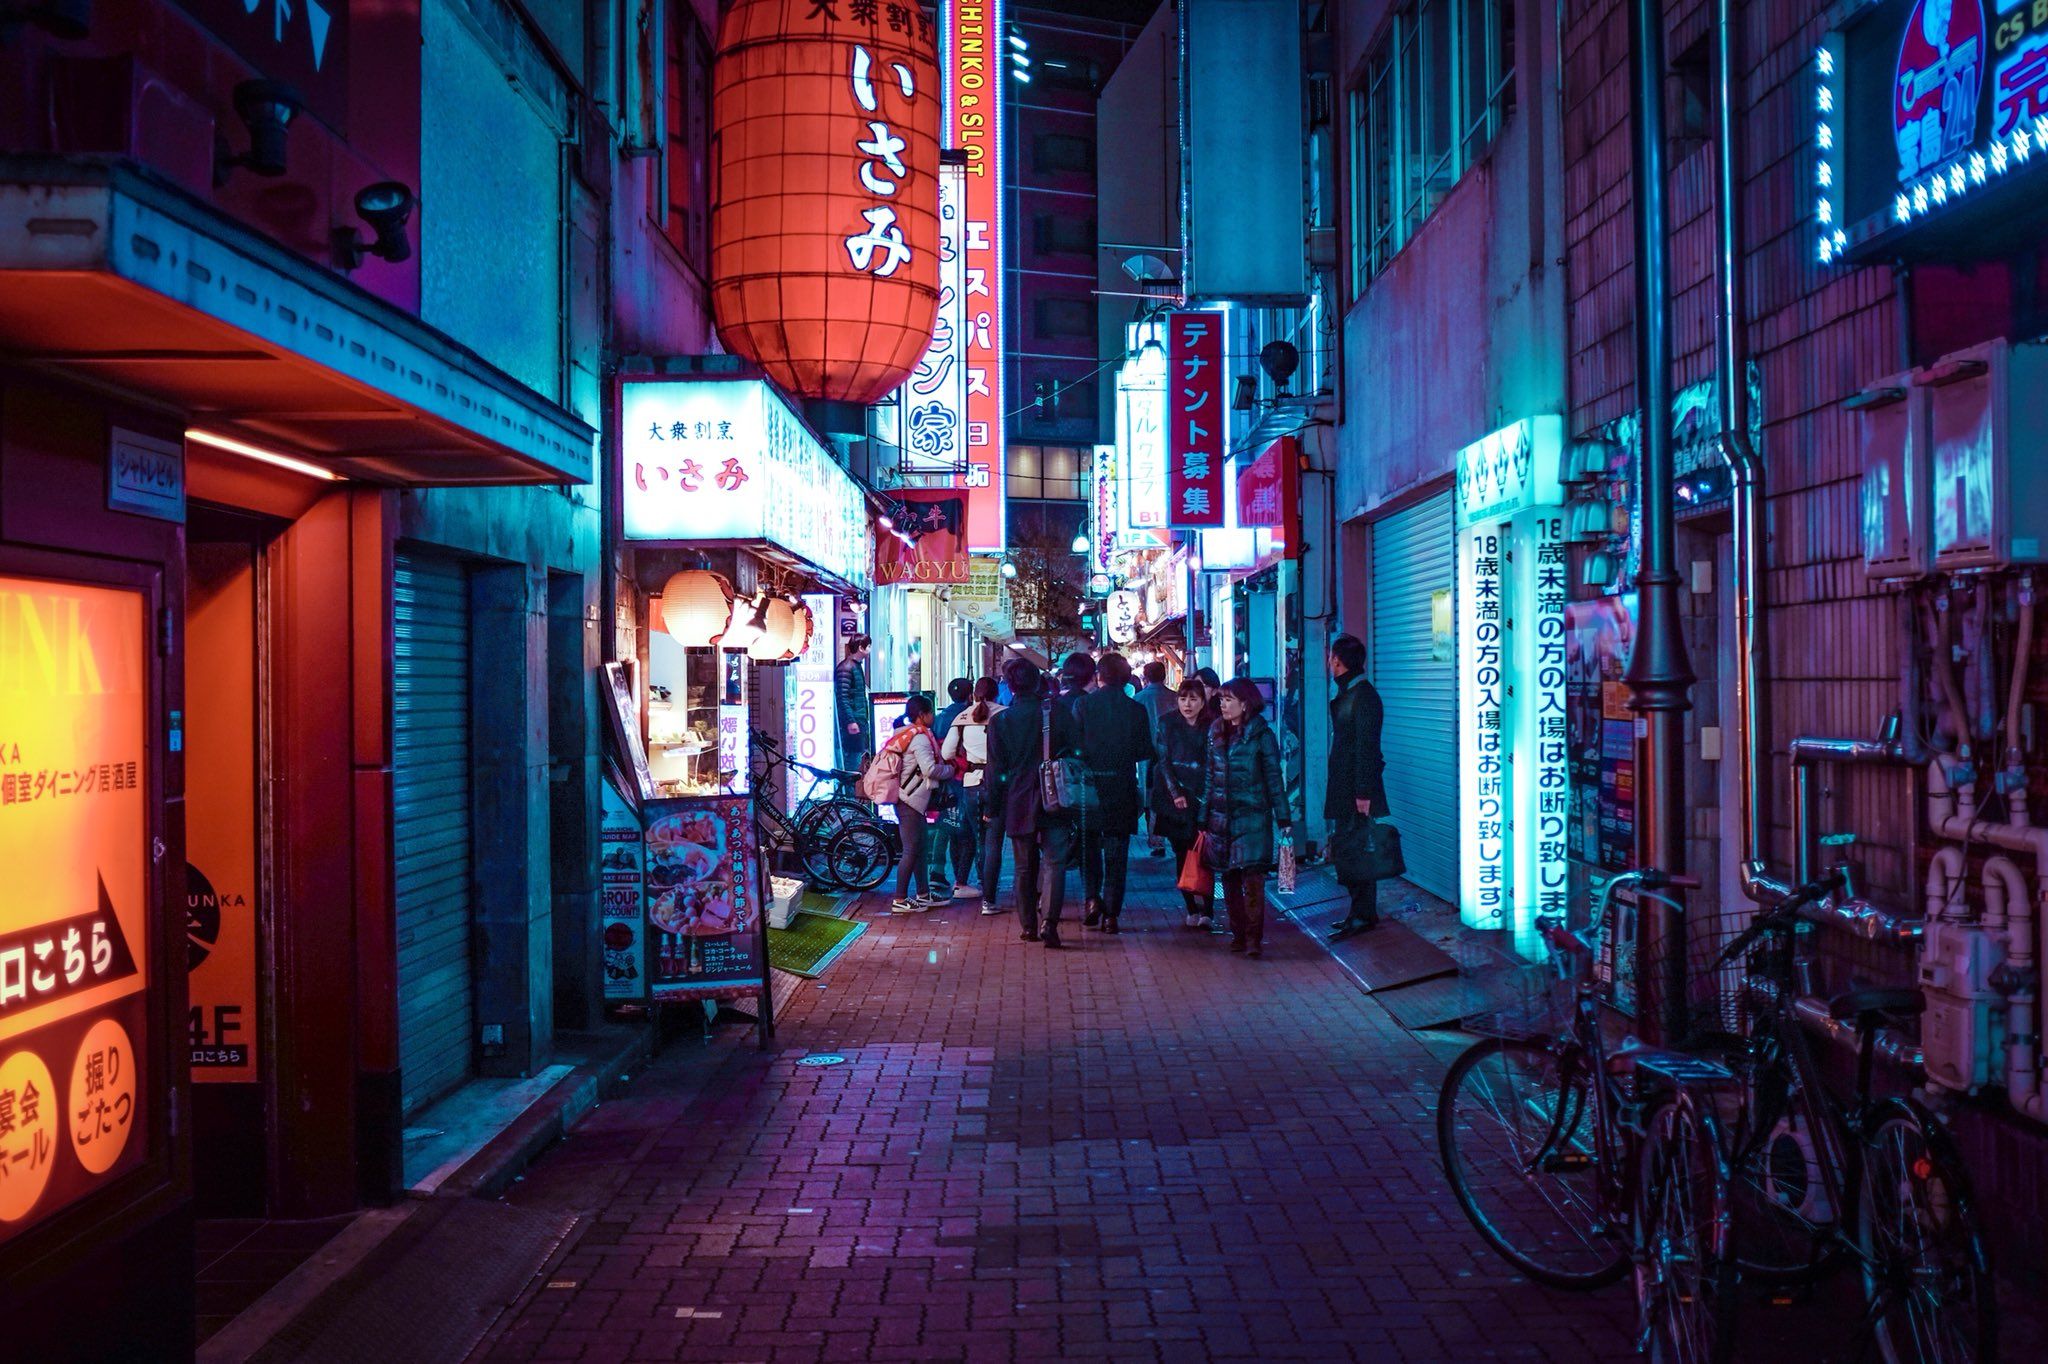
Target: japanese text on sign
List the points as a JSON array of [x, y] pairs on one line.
[[1198, 423], [974, 105]]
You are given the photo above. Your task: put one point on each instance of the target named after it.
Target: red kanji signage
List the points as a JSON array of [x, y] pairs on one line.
[[1198, 423], [1269, 493]]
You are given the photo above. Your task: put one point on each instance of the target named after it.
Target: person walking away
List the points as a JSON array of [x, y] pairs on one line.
[[1157, 699], [1181, 746], [1357, 791], [978, 841], [1017, 739], [850, 705], [917, 772], [1116, 740], [1077, 675], [1159, 702], [1244, 806], [959, 696]]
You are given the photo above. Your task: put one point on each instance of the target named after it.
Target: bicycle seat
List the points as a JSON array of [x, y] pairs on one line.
[[1870, 1008]]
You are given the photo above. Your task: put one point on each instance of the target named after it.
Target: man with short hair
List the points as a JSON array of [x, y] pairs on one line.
[[960, 695], [1158, 703], [850, 704], [1041, 844], [1356, 792]]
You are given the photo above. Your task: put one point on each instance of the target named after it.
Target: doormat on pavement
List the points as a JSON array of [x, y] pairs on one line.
[[811, 942], [833, 904], [1433, 1003], [1393, 955]]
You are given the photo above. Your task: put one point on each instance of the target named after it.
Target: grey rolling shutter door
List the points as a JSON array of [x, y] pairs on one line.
[[1413, 557], [431, 825]]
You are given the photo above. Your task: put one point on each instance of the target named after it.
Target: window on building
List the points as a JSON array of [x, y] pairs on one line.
[[680, 201], [1435, 90], [1061, 234], [1062, 153], [1048, 471], [1058, 317], [1057, 71]]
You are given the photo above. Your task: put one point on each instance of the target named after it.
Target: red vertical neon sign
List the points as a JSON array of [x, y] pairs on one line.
[[1199, 424], [975, 67]]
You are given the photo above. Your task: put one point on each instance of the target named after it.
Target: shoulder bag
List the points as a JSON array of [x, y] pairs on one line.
[[1065, 785]]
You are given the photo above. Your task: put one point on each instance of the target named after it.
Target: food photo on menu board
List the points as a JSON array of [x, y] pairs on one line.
[[702, 905]]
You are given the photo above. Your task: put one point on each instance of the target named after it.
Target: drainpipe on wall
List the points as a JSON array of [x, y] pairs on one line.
[[1745, 469], [1659, 676]]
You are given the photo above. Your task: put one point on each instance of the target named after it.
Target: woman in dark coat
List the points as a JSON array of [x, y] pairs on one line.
[[1116, 737], [1244, 810], [1182, 743]]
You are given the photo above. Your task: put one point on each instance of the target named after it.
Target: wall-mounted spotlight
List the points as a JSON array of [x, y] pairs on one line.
[[266, 109], [386, 206]]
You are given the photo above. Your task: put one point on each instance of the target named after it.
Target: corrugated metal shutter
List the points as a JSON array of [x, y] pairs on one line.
[[431, 805], [1413, 557]]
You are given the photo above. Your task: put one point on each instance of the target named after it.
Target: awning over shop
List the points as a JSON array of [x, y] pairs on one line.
[[118, 280]]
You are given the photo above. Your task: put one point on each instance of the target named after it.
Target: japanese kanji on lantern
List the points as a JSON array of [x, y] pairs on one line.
[[825, 192]]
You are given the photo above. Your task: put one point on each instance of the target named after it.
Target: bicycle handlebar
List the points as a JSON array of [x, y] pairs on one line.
[[1783, 914]]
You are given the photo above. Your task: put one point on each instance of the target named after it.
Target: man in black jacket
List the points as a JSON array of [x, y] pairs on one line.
[[850, 704], [1041, 846], [1116, 741], [1357, 788]]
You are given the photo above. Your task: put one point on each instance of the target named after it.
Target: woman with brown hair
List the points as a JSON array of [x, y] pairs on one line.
[[1244, 810]]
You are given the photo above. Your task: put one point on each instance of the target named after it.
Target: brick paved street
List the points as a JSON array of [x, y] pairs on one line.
[[1139, 1148]]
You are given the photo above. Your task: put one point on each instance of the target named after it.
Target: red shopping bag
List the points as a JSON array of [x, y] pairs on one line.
[[1195, 876]]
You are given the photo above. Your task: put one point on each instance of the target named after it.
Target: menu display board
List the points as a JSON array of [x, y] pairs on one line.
[[706, 931], [622, 910], [74, 942]]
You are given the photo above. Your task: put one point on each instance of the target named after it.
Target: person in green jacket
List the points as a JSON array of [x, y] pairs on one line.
[[1244, 810]]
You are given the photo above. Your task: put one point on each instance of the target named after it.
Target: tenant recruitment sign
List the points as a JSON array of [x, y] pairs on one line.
[[74, 951], [1198, 424]]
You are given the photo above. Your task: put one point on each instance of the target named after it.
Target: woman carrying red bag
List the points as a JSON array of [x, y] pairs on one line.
[[1182, 741], [1244, 810]]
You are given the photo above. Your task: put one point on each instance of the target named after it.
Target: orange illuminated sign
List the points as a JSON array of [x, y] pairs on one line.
[[73, 935]]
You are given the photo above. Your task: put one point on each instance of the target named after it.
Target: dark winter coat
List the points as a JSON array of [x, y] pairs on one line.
[[1014, 753], [1357, 763], [1115, 737], [1244, 798], [1179, 770], [850, 702]]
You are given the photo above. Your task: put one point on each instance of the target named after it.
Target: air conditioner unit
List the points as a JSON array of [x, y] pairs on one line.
[[1892, 430]]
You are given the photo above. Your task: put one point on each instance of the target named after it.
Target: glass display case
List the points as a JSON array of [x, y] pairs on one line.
[[696, 719]]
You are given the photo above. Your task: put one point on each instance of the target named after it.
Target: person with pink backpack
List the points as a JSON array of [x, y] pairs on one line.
[[907, 772]]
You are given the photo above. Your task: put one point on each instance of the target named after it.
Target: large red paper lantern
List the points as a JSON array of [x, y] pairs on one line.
[[825, 192]]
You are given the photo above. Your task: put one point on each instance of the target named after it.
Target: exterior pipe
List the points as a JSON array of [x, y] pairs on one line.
[[1945, 677], [1862, 919], [1951, 814], [1944, 878], [2004, 889], [1659, 676], [2015, 776], [1745, 469], [1808, 752], [1889, 1045]]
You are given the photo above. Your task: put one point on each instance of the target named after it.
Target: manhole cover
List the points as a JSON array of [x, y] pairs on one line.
[[821, 1058]]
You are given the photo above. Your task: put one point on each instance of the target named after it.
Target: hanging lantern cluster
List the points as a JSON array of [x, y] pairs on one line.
[[696, 607], [825, 193], [778, 626], [800, 635]]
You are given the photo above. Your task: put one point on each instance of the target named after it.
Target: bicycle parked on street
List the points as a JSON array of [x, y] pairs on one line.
[[1821, 1184], [837, 838], [1578, 1162]]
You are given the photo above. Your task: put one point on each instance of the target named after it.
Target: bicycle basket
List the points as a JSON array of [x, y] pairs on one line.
[[1713, 998]]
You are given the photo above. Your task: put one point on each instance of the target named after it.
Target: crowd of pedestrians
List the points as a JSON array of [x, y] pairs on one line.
[[1064, 768]]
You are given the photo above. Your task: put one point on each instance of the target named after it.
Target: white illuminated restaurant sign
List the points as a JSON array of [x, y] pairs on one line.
[[1141, 436], [724, 461]]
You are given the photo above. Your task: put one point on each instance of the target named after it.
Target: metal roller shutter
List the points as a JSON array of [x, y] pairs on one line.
[[431, 806], [1412, 558]]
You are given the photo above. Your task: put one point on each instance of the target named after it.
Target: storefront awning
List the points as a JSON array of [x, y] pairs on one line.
[[118, 280]]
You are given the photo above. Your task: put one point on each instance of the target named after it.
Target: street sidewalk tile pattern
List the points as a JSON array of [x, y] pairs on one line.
[[1141, 1148]]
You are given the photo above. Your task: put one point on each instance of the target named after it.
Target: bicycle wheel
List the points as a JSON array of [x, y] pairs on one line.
[[818, 822], [1925, 1270], [1685, 1275], [860, 856], [1784, 1219], [1514, 1125]]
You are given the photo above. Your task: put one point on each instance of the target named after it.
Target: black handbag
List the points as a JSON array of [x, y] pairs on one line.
[[1363, 849], [1065, 785]]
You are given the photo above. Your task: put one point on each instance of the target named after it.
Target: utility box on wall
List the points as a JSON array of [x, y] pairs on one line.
[[1988, 446], [1892, 427]]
